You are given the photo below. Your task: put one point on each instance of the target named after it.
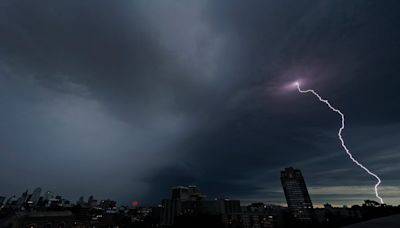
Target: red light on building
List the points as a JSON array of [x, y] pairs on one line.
[[135, 203]]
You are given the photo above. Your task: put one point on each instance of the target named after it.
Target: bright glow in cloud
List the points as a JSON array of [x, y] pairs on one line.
[[297, 84]]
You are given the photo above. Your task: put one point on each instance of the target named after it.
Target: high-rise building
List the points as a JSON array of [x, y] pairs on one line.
[[48, 195], [180, 193], [81, 201], [22, 199], [184, 193], [229, 206], [92, 202], [169, 209], [296, 193], [189, 201], [35, 196]]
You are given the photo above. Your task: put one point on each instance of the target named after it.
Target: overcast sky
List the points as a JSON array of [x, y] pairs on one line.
[[125, 99]]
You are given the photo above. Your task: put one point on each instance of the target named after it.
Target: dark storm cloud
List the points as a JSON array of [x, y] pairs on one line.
[[104, 47], [148, 95], [342, 49], [85, 67], [72, 67]]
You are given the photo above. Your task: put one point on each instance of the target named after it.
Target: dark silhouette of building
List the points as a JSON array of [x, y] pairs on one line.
[[168, 211], [189, 204], [184, 193], [81, 201], [296, 193], [22, 199], [35, 196], [181, 202], [59, 219], [108, 204], [92, 202], [2, 199], [257, 215], [187, 207]]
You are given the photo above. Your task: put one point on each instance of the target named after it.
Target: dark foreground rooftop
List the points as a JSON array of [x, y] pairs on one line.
[[385, 222]]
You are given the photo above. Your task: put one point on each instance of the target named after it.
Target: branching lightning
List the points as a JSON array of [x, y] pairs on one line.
[[297, 84]]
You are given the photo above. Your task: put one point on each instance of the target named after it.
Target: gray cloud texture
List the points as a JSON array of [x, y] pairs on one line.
[[126, 99]]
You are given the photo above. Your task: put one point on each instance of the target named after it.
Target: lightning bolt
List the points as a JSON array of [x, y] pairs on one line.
[[297, 84]]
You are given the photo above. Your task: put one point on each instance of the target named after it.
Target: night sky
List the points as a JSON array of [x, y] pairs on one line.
[[125, 99]]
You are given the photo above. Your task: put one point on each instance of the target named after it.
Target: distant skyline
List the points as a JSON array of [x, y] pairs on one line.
[[124, 100]]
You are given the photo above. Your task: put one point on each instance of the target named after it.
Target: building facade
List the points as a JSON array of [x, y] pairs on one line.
[[296, 193]]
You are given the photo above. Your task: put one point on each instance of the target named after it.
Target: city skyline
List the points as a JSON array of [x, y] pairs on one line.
[[294, 191], [125, 99], [189, 206]]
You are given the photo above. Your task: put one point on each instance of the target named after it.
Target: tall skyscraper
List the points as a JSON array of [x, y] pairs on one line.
[[35, 196], [296, 193], [22, 199], [169, 209], [81, 201]]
